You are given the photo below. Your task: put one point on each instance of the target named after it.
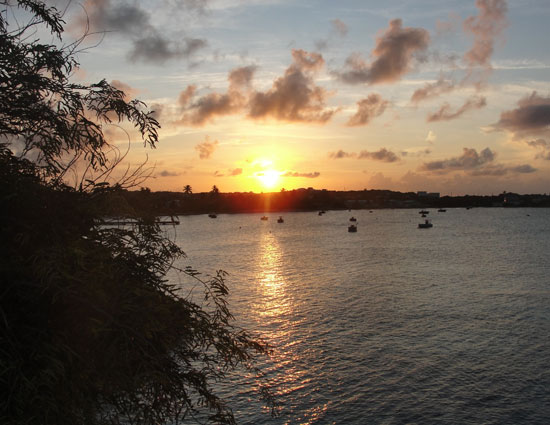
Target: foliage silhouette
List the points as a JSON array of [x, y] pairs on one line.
[[91, 330]]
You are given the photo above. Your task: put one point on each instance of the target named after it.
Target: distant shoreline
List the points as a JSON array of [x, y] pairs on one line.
[[124, 203]]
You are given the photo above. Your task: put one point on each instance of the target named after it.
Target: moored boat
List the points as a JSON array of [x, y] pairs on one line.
[[426, 225]]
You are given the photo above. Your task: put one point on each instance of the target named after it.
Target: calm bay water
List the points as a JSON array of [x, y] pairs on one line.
[[392, 324]]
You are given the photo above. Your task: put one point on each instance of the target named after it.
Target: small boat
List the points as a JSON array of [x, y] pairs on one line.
[[352, 228], [353, 219], [212, 215], [423, 212], [441, 210], [264, 218], [321, 212], [426, 225], [280, 220], [423, 215]]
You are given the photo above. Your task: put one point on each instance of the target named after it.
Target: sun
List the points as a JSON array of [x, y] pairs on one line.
[[268, 178]]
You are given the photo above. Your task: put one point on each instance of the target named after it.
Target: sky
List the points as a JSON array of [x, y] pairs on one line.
[[448, 96]]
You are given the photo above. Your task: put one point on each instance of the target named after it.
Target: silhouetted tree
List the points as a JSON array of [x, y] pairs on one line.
[[91, 331], [188, 190], [215, 190]]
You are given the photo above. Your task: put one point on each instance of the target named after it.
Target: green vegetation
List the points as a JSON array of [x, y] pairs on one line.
[[91, 331]]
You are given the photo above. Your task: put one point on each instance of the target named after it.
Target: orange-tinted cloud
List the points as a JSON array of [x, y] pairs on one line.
[[206, 148], [486, 28], [368, 108], [213, 105], [431, 90], [445, 113], [341, 154], [394, 53], [294, 96]]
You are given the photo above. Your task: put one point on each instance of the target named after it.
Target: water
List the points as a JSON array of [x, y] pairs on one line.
[[392, 324]]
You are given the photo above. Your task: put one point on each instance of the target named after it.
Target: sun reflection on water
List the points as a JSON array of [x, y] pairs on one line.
[[275, 310], [273, 302]]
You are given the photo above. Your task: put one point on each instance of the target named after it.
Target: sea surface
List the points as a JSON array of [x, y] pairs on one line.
[[392, 324]]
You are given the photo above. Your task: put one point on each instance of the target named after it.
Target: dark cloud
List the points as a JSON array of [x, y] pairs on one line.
[[212, 105], [118, 17], [206, 148], [149, 44], [368, 108], [156, 49], [294, 96], [445, 113], [431, 90], [531, 117], [168, 173], [422, 152], [313, 175], [469, 160], [383, 155], [394, 53], [501, 170], [341, 154]]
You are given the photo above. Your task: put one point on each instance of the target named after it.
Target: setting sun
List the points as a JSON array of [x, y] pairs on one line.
[[268, 178]]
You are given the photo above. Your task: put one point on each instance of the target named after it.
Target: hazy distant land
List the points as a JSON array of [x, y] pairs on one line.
[[122, 202]]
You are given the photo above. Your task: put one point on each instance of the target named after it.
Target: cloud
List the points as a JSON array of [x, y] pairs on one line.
[[186, 95], [340, 27], [543, 146], [531, 117], [212, 105], [341, 154], [129, 92], [501, 170], [294, 97], [445, 112], [156, 49], [431, 137], [431, 90], [149, 44], [236, 172], [206, 148], [394, 53], [469, 160], [167, 173], [421, 152], [486, 28], [313, 175], [368, 108], [105, 15], [383, 155]]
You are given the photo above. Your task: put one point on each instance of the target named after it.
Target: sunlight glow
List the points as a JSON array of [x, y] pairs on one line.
[[268, 178]]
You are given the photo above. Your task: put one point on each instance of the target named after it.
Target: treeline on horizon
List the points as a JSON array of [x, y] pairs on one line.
[[125, 203]]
